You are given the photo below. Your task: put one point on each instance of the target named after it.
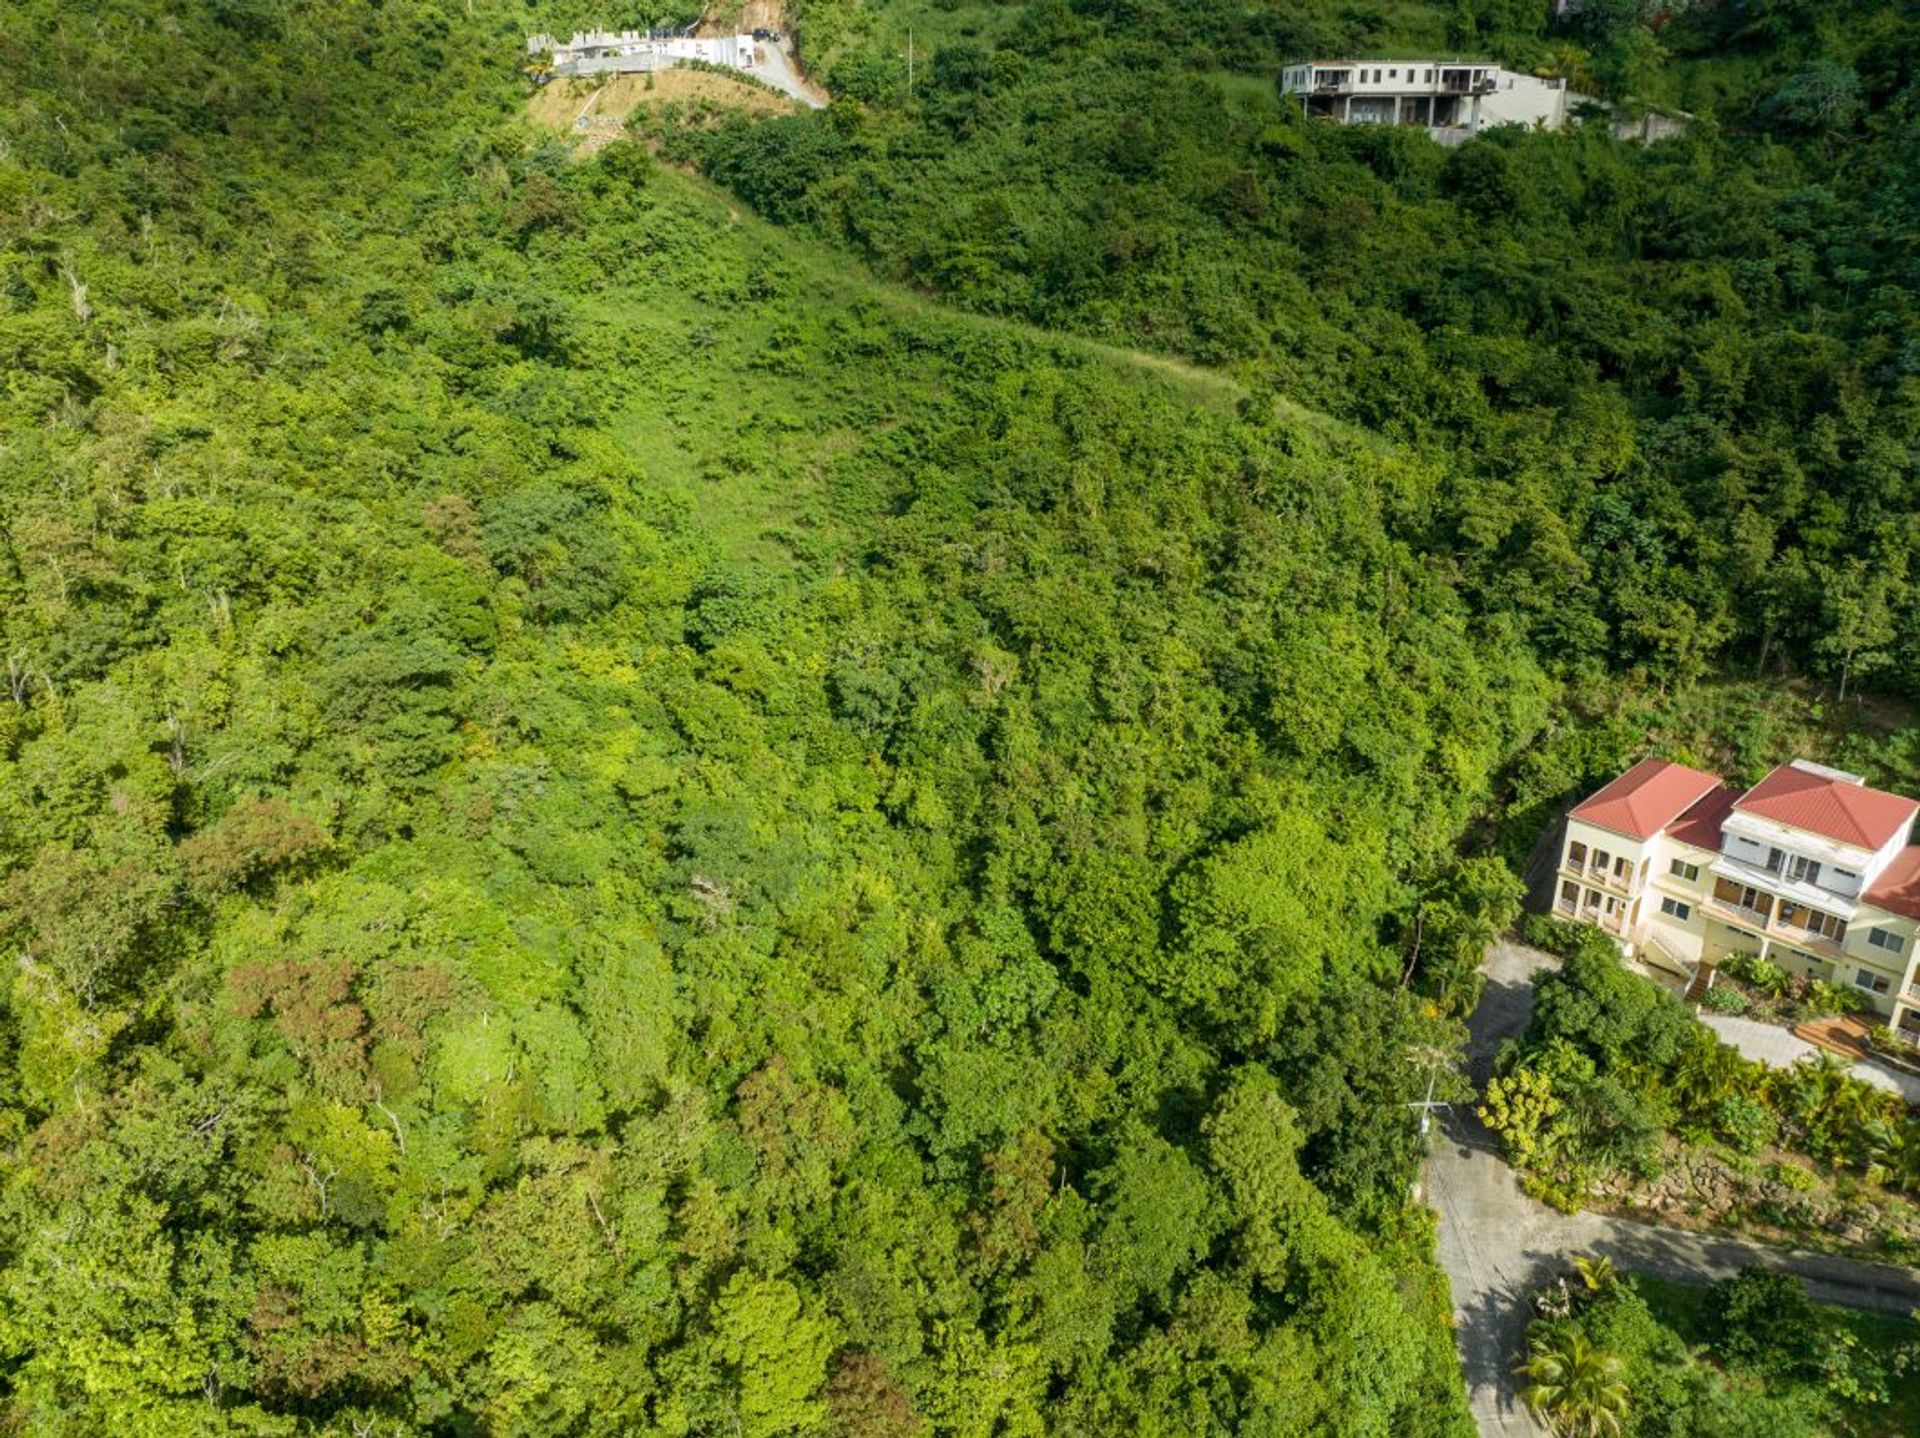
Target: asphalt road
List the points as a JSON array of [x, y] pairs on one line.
[[1500, 1246]]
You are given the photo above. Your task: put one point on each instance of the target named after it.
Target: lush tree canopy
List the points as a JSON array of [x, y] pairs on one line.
[[608, 825]]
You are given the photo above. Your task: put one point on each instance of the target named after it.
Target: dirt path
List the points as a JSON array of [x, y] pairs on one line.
[[1499, 1246]]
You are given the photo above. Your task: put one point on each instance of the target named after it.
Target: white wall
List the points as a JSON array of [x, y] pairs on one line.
[[1524, 100]]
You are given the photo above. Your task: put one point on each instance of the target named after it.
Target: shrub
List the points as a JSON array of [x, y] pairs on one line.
[[1825, 998], [1746, 1124], [1762, 1320], [1723, 999], [1759, 973], [1792, 1176]]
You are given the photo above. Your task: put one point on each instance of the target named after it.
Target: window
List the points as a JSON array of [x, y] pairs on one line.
[[1870, 981], [1681, 869], [1602, 860], [1429, 79], [1569, 893], [1886, 939], [1677, 909], [1742, 896], [1576, 854], [1393, 74], [1803, 870], [1621, 868]]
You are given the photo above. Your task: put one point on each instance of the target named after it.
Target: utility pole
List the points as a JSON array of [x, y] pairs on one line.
[[1427, 1105]]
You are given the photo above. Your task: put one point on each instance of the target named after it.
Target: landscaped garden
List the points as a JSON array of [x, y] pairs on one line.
[[1748, 984], [1751, 1355], [1617, 1097]]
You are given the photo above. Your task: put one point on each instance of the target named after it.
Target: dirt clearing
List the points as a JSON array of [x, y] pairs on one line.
[[593, 111]]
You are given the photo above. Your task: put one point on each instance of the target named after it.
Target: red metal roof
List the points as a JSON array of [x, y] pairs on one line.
[[1898, 887], [1700, 825], [1647, 798], [1824, 804]]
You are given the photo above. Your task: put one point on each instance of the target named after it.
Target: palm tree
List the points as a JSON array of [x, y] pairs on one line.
[[1567, 61], [1597, 1275], [1903, 1163], [1575, 1387], [1708, 1072]]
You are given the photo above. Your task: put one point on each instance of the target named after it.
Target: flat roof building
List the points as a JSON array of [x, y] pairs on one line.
[[1451, 99]]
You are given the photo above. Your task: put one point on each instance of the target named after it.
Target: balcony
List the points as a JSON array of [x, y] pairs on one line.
[[1766, 920], [1615, 923], [1777, 884], [1811, 940], [1606, 878], [1740, 914]]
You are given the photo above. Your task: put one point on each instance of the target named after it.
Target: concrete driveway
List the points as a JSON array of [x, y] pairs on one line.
[[1500, 1246], [1781, 1048], [778, 67]]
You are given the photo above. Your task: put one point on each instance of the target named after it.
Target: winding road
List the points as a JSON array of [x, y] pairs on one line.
[[1500, 1246]]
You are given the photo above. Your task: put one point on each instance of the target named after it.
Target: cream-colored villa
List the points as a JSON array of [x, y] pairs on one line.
[[1809, 868]]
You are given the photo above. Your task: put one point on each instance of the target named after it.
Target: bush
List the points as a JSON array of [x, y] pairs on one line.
[[1762, 1320], [1746, 1124], [1825, 998], [1756, 972], [1724, 1000]]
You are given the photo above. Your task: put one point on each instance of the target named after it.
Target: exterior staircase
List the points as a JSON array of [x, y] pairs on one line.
[[1701, 982]]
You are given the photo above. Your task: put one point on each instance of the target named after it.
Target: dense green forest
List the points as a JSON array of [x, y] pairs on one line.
[[615, 822], [1680, 383]]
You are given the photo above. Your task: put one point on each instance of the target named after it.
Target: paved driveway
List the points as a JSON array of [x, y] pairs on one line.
[[1499, 1246], [779, 69], [1781, 1048]]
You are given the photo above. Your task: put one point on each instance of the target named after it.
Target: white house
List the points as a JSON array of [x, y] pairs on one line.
[[1452, 99], [1809, 868], [605, 52]]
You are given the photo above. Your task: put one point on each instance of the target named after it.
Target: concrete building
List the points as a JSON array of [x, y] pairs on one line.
[[1452, 99], [605, 52], [1809, 868]]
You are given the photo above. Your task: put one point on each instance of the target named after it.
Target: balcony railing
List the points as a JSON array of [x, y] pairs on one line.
[[1606, 878], [1615, 923], [1773, 927], [1739, 913], [1808, 938]]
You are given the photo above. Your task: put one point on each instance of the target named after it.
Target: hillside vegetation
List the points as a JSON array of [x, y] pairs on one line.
[[1679, 383], [614, 820], [607, 827]]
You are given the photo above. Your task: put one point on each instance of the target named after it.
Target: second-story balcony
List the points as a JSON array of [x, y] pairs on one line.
[[1783, 887], [1599, 874], [1790, 922]]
